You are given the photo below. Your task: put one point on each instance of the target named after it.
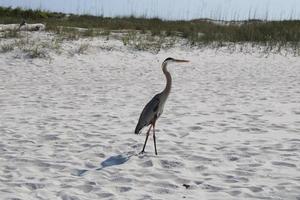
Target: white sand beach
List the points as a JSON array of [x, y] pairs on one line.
[[230, 128]]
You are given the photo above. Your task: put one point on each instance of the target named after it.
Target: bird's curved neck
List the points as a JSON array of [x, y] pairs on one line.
[[167, 89]]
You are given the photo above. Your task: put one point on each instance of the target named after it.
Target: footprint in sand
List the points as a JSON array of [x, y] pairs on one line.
[[147, 163], [171, 164], [283, 164], [123, 189]]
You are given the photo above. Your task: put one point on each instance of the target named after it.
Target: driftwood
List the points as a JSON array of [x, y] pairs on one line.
[[22, 27]]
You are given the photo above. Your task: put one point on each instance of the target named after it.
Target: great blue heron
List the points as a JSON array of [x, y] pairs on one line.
[[154, 108]]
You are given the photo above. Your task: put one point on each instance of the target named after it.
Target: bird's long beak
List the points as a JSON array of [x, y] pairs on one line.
[[181, 60]]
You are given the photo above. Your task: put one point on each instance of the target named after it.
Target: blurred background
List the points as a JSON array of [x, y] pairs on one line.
[[170, 9]]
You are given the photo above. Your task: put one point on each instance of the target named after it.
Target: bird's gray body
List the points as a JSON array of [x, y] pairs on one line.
[[151, 112], [154, 108]]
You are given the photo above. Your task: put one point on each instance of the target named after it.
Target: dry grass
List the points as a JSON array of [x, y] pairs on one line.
[[145, 34]]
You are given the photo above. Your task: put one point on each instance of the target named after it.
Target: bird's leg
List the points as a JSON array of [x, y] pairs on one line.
[[154, 138], [147, 135]]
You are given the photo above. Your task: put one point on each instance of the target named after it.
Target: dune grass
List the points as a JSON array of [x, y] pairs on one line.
[[276, 34]]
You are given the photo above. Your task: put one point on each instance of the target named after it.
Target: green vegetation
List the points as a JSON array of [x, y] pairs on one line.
[[10, 34], [6, 48], [140, 32], [35, 52]]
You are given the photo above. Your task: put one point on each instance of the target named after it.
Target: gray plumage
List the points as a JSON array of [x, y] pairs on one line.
[[154, 108], [149, 113]]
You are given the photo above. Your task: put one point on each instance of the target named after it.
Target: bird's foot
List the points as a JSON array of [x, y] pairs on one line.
[[142, 152]]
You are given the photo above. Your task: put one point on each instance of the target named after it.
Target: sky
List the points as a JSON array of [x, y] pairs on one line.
[[170, 9]]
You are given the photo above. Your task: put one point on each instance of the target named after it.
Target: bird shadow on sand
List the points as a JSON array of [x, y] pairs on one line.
[[109, 162]]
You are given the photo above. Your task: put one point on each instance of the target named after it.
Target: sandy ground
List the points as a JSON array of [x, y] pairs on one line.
[[230, 128]]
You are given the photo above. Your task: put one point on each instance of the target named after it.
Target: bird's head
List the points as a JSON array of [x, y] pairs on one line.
[[171, 60]]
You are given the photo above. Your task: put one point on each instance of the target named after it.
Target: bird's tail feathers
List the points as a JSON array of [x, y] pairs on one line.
[[138, 129]]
